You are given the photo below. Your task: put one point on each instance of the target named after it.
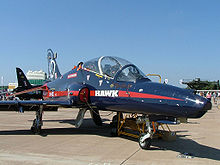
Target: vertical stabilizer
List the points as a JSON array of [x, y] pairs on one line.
[[53, 70], [22, 80]]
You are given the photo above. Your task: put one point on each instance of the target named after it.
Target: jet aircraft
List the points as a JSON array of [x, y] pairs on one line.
[[24, 84], [112, 84]]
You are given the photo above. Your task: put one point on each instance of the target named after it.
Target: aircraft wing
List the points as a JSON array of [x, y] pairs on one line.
[[30, 105], [37, 102], [15, 104], [41, 88]]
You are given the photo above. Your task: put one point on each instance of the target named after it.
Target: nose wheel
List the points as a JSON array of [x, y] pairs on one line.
[[144, 141]]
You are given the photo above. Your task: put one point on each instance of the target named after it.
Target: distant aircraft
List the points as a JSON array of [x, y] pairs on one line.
[[24, 84], [113, 84]]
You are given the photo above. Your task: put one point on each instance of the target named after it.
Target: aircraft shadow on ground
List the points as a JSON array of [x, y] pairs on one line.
[[185, 145], [88, 127], [181, 145]]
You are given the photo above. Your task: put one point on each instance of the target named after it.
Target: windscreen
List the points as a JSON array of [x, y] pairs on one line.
[[109, 66]]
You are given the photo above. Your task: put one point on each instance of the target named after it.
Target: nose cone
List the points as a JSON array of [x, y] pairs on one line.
[[207, 106], [174, 101]]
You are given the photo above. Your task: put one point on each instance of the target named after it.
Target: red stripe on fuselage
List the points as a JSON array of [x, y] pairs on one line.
[[140, 95], [92, 93], [120, 94], [145, 96], [62, 93]]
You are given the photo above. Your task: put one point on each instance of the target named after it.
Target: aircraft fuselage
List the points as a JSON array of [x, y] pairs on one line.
[[141, 96]]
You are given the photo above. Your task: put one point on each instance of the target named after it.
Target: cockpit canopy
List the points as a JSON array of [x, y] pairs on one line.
[[111, 66]]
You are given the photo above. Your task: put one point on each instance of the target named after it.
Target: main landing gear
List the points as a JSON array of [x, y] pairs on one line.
[[128, 124], [37, 122]]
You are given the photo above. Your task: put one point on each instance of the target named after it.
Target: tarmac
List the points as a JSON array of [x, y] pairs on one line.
[[62, 143]]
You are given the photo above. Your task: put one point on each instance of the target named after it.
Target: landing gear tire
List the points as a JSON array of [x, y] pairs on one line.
[[114, 122], [114, 132], [114, 125], [144, 144], [35, 129]]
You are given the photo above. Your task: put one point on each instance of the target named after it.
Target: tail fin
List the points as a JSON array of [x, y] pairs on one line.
[[53, 70], [22, 80]]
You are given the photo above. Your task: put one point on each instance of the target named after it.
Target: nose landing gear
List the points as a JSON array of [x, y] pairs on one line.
[[141, 128], [128, 124]]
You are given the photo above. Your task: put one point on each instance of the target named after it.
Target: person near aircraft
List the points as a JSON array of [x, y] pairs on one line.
[[209, 96]]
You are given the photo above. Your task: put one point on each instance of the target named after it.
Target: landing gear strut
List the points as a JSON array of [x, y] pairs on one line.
[[37, 122], [80, 116]]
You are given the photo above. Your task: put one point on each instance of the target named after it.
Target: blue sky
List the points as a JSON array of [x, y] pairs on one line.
[[178, 39]]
